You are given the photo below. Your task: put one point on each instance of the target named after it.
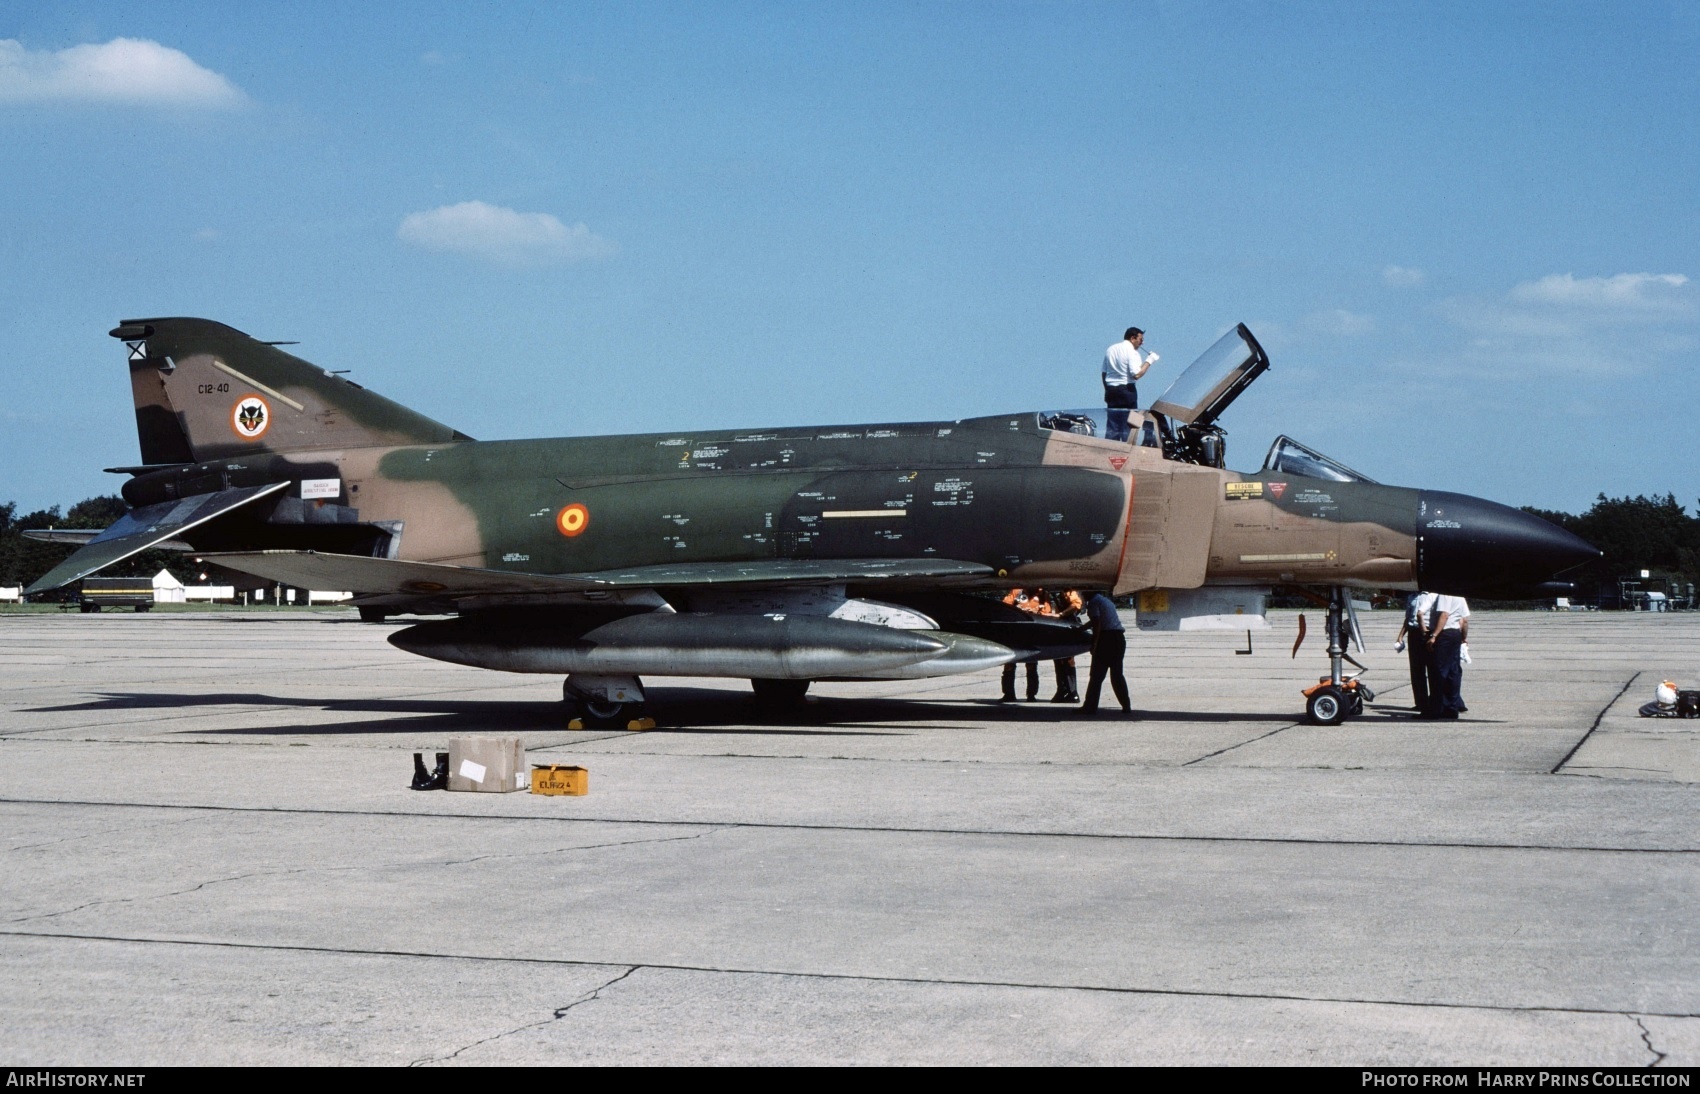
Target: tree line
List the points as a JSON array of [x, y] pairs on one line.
[[1639, 533], [23, 560]]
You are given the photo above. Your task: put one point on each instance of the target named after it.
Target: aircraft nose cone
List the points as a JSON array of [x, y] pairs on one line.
[[1473, 547]]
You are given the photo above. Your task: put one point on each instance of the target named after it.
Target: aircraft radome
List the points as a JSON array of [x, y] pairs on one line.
[[782, 555]]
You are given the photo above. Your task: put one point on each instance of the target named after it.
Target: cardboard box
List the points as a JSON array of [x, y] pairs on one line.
[[558, 779], [493, 765]]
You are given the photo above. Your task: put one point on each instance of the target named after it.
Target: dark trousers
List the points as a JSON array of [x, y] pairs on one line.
[[1120, 399], [1431, 669], [1108, 649], [1032, 680], [1066, 685], [1449, 672], [1416, 648]]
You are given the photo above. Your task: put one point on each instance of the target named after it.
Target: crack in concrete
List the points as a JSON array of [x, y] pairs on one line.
[[1598, 718], [367, 868], [92, 835], [1241, 744], [576, 847], [1106, 989], [133, 899], [878, 829], [558, 1014], [1647, 1039]]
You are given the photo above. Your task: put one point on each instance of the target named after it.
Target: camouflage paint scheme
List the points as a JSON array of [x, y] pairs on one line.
[[306, 477]]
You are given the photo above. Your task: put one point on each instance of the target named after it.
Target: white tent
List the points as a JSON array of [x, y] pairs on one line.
[[166, 588]]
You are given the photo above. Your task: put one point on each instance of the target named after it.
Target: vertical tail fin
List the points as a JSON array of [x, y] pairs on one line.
[[205, 391]]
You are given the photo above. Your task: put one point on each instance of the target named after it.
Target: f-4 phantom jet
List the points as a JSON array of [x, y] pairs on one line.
[[780, 555]]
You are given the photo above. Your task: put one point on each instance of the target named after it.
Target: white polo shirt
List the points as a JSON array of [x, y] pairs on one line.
[[1456, 611], [1122, 363]]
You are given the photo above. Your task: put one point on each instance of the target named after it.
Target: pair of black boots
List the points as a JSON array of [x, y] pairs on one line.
[[1067, 683], [1067, 686], [430, 780]]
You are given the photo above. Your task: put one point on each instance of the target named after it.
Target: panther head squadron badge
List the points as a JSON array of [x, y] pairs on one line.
[[251, 417]]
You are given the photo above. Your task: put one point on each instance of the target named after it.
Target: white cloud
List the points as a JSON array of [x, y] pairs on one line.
[[1624, 324], [1403, 277], [502, 235], [124, 70], [1340, 322], [1627, 294]]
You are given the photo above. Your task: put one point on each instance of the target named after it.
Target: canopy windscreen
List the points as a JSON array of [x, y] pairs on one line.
[[1210, 383]]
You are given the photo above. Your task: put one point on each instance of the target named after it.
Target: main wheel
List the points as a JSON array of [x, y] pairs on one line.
[[602, 713], [1326, 707], [612, 715], [779, 693], [372, 615]]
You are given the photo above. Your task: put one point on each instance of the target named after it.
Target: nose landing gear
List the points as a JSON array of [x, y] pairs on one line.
[[1336, 697]]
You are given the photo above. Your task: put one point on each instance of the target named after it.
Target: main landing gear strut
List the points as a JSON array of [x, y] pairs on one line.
[[1337, 696]]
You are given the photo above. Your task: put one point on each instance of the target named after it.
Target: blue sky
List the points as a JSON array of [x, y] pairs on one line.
[[1469, 235]]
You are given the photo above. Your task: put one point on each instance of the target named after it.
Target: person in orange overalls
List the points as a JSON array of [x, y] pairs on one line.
[[1069, 606], [1036, 602]]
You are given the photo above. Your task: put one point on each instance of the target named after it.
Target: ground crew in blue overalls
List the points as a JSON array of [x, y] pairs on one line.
[[1109, 646]]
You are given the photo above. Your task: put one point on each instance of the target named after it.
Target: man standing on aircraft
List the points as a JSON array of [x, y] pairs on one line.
[[1123, 364], [1109, 646], [1445, 643]]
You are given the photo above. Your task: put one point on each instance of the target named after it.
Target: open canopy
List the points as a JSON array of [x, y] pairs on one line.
[[1201, 393]]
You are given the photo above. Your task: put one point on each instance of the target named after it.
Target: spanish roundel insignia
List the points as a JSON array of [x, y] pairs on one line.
[[573, 519], [251, 417]]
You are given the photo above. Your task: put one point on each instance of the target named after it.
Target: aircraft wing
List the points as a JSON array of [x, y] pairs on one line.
[[81, 536], [148, 526], [794, 572], [391, 577]]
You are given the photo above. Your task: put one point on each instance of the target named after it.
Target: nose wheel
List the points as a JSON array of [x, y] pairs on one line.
[[1328, 704], [1327, 707]]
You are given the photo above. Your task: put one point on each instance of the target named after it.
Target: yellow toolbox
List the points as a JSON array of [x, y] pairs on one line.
[[559, 779]]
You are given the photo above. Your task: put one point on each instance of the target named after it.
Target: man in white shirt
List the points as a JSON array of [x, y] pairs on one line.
[[1413, 638], [1446, 635], [1123, 364]]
